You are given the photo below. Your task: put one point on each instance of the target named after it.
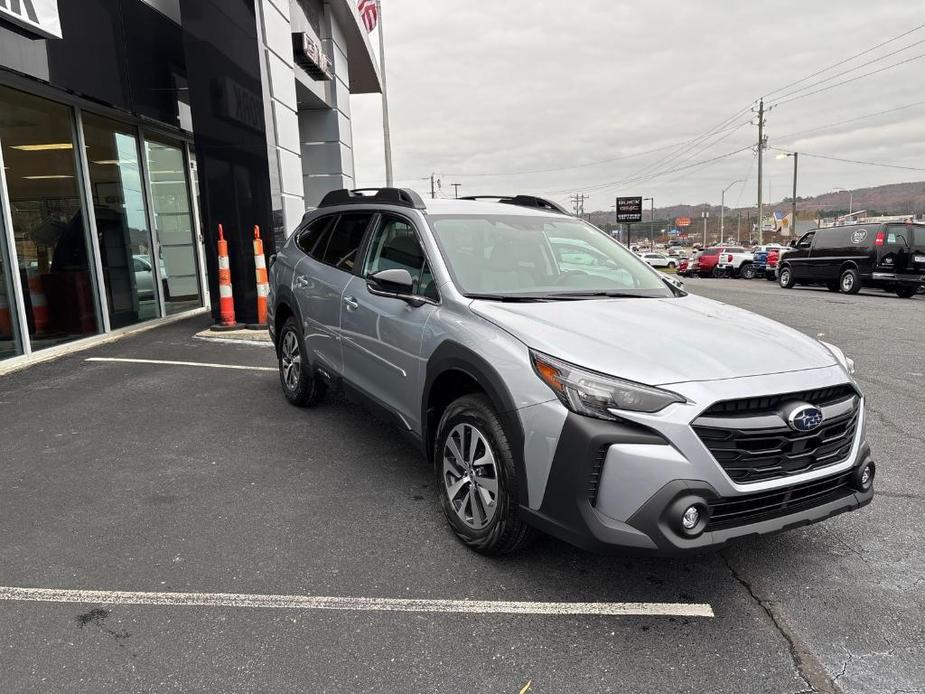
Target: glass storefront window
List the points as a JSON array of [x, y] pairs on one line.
[[48, 226], [173, 224], [8, 346], [121, 225]]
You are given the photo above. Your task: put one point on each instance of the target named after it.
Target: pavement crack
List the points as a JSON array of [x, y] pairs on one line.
[[806, 664]]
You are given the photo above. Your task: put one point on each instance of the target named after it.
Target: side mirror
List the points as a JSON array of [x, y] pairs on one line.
[[793, 243], [396, 281]]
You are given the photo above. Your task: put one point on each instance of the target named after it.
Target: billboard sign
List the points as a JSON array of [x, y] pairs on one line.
[[682, 222], [629, 209], [37, 16]]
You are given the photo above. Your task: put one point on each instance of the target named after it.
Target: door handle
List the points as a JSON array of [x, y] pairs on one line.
[[301, 281], [351, 303]]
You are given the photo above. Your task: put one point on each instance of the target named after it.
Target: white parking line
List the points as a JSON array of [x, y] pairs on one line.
[[309, 602], [182, 363]]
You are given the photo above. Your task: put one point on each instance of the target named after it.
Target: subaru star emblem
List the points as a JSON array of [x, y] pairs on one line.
[[804, 418]]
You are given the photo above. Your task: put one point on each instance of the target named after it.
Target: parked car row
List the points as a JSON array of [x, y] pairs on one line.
[[888, 256]]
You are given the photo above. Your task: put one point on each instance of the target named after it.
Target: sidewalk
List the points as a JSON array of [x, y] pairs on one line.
[[255, 337]]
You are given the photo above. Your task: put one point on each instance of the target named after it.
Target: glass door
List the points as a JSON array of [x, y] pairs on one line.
[[121, 223], [173, 225]]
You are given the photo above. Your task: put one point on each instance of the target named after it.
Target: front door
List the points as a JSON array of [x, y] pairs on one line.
[[798, 258], [382, 334]]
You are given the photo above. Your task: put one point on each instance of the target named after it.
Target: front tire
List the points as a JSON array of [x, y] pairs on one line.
[[785, 278], [476, 478], [850, 281], [300, 386]]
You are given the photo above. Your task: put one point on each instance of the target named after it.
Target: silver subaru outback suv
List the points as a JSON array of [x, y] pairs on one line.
[[555, 381]]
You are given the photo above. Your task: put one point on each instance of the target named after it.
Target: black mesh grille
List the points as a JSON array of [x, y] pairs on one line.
[[752, 508], [597, 468], [749, 455], [769, 403]]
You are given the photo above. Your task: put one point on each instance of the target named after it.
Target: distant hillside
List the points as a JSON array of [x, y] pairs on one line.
[[896, 198]]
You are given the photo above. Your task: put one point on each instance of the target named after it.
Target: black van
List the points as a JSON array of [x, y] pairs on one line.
[[889, 256]]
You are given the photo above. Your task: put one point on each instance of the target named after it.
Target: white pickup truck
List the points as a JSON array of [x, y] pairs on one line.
[[735, 261]]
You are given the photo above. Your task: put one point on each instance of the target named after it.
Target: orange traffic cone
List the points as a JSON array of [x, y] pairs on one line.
[[263, 284], [226, 298], [40, 317]]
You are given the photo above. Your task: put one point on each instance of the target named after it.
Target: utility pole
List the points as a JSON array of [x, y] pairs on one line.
[[706, 215], [651, 222], [793, 209], [739, 230], [456, 189], [433, 190], [578, 202], [761, 145]]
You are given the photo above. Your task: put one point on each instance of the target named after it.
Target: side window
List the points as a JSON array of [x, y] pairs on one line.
[[345, 239], [314, 236], [807, 240], [396, 246]]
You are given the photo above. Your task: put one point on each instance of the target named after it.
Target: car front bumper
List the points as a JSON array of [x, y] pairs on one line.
[[618, 486]]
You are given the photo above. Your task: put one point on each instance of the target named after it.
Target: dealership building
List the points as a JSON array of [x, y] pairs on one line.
[[130, 129]]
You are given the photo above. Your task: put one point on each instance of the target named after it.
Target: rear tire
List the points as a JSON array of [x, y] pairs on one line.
[[471, 442], [301, 387], [906, 292], [747, 272], [785, 278], [850, 281]]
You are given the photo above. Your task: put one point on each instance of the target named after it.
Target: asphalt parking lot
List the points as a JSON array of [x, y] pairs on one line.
[[151, 478]]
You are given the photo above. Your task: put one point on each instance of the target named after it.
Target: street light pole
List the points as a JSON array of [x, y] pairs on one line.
[[651, 222], [722, 211], [793, 209], [706, 215]]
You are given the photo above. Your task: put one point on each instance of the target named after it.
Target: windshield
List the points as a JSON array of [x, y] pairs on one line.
[[524, 256]]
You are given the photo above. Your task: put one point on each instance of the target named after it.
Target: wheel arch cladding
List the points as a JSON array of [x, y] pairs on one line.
[[453, 366]]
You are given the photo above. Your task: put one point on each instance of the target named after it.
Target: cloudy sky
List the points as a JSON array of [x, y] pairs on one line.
[[600, 96]]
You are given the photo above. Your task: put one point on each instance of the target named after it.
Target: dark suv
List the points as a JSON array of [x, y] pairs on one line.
[[889, 256]]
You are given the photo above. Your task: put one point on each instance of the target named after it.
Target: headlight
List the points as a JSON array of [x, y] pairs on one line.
[[846, 362], [595, 395]]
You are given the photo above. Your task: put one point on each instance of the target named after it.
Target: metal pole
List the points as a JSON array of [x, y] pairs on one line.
[[793, 211], [739, 230], [433, 193], [722, 216], [760, 168], [456, 189], [386, 132], [652, 223]]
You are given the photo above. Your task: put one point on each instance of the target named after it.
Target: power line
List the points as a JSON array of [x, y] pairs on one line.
[[850, 120], [748, 177], [575, 166], [853, 161], [852, 79], [848, 71], [846, 60]]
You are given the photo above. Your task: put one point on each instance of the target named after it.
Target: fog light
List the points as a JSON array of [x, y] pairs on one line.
[[866, 478], [690, 518]]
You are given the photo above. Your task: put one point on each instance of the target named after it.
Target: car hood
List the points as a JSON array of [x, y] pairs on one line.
[[658, 341]]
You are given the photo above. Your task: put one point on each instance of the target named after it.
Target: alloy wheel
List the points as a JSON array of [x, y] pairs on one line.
[[470, 476], [291, 360]]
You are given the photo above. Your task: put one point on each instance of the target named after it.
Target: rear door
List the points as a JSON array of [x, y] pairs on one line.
[[319, 282], [382, 334], [901, 249]]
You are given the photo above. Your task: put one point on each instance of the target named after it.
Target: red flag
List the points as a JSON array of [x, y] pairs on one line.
[[369, 12]]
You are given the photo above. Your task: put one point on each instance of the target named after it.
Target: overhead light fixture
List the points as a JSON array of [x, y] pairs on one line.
[[45, 178], [107, 162], [44, 147]]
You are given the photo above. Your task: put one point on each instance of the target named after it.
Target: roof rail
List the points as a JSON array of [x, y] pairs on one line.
[[402, 197], [522, 201]]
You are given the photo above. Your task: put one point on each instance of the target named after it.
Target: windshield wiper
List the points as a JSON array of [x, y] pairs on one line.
[[522, 298], [603, 294]]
